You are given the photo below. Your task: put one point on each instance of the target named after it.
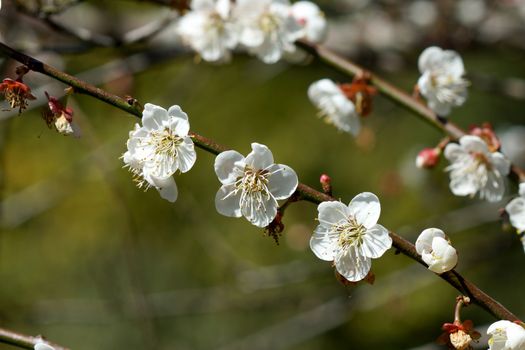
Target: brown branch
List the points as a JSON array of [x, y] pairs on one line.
[[24, 341], [303, 192]]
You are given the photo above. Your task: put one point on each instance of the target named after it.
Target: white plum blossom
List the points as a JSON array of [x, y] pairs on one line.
[[506, 335], [516, 210], [208, 29], [312, 19], [267, 28], [334, 107], [473, 168], [350, 235], [159, 148], [436, 251], [442, 82], [252, 186]]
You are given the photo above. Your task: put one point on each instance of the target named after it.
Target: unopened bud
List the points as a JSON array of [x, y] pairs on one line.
[[428, 158], [326, 184]]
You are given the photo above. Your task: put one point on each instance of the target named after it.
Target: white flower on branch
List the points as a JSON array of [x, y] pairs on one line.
[[475, 169], [441, 81], [350, 235], [251, 186], [208, 30], [436, 251], [516, 210], [267, 28], [506, 335], [334, 107], [160, 147], [309, 16]]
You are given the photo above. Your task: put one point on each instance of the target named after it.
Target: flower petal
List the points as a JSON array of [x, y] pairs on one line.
[[376, 242], [260, 157], [516, 211], [178, 121], [227, 203], [365, 207], [186, 155], [351, 266], [153, 116], [259, 212], [227, 166], [424, 241], [283, 181], [330, 213], [324, 243], [166, 186], [473, 143]]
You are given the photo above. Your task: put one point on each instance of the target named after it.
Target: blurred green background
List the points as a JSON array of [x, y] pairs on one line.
[[91, 262]]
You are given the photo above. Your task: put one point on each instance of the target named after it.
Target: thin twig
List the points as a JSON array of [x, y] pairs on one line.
[[304, 192], [23, 341]]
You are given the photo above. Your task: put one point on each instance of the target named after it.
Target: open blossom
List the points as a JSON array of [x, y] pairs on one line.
[[251, 186], [473, 168], [506, 335], [208, 30], [160, 147], [334, 106], [441, 81], [516, 210], [436, 251], [267, 28], [350, 235]]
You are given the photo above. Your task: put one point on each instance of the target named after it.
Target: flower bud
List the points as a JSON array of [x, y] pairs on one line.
[[326, 184], [428, 158]]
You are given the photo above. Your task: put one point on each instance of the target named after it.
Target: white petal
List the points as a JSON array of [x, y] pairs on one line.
[[260, 157], [283, 183], [43, 346], [440, 108], [424, 241], [351, 266], [494, 188], [257, 214], [324, 243], [166, 186], [227, 203], [462, 185], [179, 121], [500, 162], [429, 58], [186, 155], [376, 242], [453, 152], [444, 256], [153, 116], [225, 166], [330, 213], [251, 37], [516, 211], [365, 208], [522, 189], [473, 143]]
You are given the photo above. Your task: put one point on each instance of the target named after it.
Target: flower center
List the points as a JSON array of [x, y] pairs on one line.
[[165, 142], [254, 187], [215, 22], [351, 233], [449, 88], [268, 23]]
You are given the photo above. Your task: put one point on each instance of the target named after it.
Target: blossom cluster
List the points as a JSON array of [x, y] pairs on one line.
[[265, 28]]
